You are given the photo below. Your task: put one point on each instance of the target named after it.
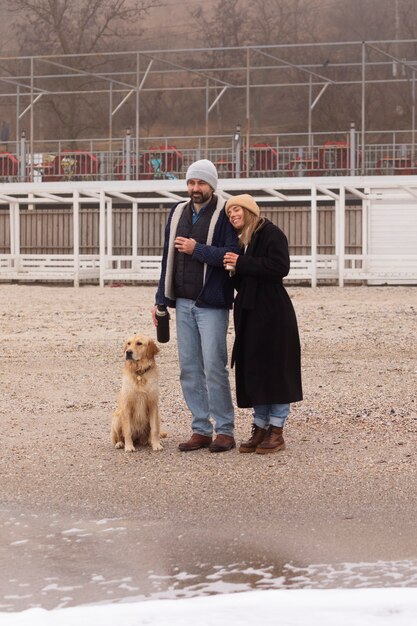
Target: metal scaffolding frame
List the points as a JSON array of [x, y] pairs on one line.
[[211, 72]]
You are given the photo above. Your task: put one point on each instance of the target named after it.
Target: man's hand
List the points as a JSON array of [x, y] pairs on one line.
[[154, 318], [185, 245]]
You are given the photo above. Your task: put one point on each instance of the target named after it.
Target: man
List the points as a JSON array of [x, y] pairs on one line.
[[193, 280]]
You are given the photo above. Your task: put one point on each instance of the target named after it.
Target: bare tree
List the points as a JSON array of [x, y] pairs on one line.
[[283, 21], [257, 23], [367, 21], [224, 23], [357, 20], [77, 26]]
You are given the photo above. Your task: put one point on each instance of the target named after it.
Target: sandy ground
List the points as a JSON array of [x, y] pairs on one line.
[[346, 486]]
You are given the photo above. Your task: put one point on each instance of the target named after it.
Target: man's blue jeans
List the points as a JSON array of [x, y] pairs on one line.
[[265, 415], [202, 349]]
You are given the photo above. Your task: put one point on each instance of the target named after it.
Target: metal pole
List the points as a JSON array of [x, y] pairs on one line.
[[310, 97], [128, 151], [413, 117], [363, 121], [352, 154], [32, 85], [17, 123], [207, 116], [22, 161], [248, 129], [237, 147], [111, 122], [137, 166]]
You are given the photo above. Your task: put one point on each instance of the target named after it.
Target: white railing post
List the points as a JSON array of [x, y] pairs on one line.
[[102, 236], [313, 236], [109, 228], [76, 237], [341, 256], [16, 229], [109, 231], [134, 231], [14, 226], [365, 227]]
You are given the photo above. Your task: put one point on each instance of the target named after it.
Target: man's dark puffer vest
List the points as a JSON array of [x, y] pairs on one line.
[[188, 272]]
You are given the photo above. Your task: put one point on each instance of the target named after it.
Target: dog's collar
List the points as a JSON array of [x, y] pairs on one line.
[[140, 373]]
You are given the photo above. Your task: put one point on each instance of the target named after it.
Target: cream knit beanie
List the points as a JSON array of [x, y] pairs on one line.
[[244, 200]]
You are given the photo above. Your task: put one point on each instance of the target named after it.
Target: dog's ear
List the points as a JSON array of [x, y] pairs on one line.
[[151, 349]]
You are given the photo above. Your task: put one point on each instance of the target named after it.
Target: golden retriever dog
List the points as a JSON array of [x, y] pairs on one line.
[[136, 418]]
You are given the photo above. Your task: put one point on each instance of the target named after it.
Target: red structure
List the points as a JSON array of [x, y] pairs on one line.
[[162, 162], [304, 166], [389, 166], [73, 165], [9, 167], [334, 158], [120, 168], [263, 159], [225, 168]]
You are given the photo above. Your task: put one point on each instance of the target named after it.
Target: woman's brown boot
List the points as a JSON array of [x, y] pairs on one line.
[[272, 442], [258, 435]]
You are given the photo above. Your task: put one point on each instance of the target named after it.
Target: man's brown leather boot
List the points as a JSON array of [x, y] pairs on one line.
[[222, 443], [195, 442]]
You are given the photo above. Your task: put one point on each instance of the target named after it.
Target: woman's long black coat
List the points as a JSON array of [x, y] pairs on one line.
[[266, 352]]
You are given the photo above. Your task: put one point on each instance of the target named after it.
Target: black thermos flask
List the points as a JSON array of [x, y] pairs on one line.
[[162, 330]]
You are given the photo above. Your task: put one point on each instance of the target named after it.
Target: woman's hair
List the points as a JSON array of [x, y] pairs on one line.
[[251, 223]]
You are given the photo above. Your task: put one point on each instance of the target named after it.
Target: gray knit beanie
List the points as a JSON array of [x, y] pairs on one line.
[[203, 170]]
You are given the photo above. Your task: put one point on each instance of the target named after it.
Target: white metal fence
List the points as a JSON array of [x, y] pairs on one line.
[[397, 266]]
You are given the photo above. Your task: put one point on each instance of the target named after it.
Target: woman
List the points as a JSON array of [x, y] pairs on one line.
[[266, 352]]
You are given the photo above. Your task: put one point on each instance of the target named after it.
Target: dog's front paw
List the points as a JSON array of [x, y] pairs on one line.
[[119, 445], [156, 446], [129, 448]]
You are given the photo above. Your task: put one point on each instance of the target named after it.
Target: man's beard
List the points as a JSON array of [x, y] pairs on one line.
[[199, 197]]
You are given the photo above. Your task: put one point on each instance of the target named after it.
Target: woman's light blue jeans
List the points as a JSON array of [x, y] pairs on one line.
[[265, 415], [204, 377]]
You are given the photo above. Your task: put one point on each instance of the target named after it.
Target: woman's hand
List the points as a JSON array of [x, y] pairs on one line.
[[230, 260]]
